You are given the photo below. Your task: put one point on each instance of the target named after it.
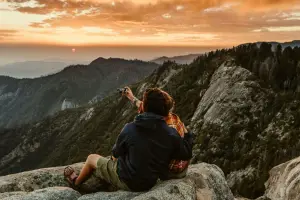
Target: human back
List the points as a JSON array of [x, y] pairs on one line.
[[150, 148], [150, 144], [177, 168]]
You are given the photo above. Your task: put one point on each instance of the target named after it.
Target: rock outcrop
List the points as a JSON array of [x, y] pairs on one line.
[[68, 104], [284, 181], [203, 182], [226, 122], [52, 193]]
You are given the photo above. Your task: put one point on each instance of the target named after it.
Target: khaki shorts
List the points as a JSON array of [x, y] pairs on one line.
[[107, 171]]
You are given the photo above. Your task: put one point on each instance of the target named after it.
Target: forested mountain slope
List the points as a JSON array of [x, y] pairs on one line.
[[185, 59], [26, 100], [243, 105], [292, 44]]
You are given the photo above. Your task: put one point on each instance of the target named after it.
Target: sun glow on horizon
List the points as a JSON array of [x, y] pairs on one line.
[[145, 22]]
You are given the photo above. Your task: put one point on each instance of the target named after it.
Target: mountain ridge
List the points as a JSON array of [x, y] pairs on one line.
[[294, 43], [182, 59], [70, 66], [24, 100]]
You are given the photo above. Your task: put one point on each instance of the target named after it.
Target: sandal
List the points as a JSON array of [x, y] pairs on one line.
[[70, 176]]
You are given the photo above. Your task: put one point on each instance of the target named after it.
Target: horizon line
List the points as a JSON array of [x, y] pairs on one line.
[[138, 45]]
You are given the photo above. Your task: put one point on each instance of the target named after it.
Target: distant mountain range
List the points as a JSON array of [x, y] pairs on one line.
[[185, 59], [26, 100], [31, 69], [35, 69]]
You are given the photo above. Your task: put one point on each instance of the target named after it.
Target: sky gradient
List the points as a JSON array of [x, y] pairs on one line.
[[148, 22]]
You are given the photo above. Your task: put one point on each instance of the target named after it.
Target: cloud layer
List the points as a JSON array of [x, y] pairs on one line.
[[169, 22]]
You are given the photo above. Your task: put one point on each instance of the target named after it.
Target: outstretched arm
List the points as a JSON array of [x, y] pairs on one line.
[[132, 98]]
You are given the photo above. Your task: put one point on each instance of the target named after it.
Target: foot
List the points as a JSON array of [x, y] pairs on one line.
[[70, 176]]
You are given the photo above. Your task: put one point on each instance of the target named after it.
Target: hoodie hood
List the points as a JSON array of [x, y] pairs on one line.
[[148, 120]]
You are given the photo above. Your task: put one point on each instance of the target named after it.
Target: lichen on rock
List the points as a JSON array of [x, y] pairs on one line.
[[204, 181], [52, 193]]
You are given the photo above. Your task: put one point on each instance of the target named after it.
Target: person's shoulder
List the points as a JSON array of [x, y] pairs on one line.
[[171, 131], [129, 127]]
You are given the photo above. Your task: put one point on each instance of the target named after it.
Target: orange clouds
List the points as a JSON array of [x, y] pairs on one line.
[[172, 21], [264, 5], [6, 33]]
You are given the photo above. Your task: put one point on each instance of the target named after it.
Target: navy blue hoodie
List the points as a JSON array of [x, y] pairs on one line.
[[145, 148]]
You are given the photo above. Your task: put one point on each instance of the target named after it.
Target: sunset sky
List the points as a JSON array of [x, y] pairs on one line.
[[148, 22]]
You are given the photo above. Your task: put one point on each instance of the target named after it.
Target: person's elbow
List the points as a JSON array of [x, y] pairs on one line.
[[188, 154], [185, 152], [115, 152]]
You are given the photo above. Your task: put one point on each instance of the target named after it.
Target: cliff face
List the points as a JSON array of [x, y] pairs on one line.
[[27, 100], [227, 121], [284, 181], [240, 103], [68, 104]]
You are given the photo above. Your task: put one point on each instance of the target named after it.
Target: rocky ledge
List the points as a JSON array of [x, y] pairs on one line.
[[284, 181], [203, 182]]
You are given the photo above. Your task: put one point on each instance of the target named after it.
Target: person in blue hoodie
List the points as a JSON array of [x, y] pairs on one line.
[[143, 150]]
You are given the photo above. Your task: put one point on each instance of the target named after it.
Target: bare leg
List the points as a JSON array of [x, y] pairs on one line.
[[88, 168]]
